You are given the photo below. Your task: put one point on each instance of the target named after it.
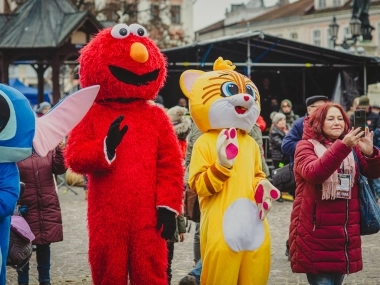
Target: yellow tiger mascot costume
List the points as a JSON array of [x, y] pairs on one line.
[[225, 171]]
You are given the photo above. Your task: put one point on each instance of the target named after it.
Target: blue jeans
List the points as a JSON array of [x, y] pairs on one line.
[[43, 265], [325, 279], [197, 271]]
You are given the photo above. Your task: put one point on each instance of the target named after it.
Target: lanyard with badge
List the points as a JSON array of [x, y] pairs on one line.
[[343, 188]]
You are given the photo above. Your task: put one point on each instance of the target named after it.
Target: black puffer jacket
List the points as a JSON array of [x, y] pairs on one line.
[[276, 136]]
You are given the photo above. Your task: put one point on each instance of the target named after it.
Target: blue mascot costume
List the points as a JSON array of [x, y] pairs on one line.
[[16, 137], [21, 133]]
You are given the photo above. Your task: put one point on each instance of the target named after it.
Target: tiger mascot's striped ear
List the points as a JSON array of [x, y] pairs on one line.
[[187, 80]]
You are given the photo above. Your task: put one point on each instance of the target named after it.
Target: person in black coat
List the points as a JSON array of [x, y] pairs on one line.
[[295, 134], [276, 135], [372, 119]]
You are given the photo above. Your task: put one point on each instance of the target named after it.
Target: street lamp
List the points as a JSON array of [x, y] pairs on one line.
[[355, 26]]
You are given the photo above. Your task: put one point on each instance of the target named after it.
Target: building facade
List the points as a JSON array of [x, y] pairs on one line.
[[305, 21]]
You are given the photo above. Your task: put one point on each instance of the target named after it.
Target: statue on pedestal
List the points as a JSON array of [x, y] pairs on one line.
[[360, 11]]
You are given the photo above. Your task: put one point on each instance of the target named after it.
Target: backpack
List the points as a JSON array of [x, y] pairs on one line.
[[20, 243], [283, 179], [20, 240], [192, 211]]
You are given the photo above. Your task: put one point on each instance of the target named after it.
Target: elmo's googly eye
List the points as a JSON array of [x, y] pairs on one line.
[[138, 30], [120, 31]]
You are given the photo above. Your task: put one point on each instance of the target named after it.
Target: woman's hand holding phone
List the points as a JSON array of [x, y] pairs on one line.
[[366, 143]]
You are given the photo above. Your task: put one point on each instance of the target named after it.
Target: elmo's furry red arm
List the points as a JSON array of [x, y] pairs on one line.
[[85, 152], [169, 167]]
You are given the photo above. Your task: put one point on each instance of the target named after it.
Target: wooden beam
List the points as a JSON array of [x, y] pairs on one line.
[[55, 65], [42, 54], [40, 68], [4, 66]]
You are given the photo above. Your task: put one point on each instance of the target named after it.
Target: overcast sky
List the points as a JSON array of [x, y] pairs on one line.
[[207, 12]]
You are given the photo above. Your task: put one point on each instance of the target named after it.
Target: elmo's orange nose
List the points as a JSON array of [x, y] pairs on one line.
[[139, 52]]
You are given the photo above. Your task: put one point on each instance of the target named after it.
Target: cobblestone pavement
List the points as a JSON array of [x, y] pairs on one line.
[[69, 258]]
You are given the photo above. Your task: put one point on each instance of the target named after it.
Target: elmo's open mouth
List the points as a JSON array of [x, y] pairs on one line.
[[240, 109], [129, 77]]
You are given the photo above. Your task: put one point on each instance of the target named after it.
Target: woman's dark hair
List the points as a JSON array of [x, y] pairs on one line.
[[318, 118]]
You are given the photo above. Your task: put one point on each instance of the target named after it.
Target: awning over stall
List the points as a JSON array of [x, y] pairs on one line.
[[312, 69], [29, 92], [263, 50]]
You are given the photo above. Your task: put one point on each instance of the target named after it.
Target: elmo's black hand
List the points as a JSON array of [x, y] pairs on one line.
[[114, 136], [167, 219]]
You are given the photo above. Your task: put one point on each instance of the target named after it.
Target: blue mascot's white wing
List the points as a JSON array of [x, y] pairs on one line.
[[59, 121]]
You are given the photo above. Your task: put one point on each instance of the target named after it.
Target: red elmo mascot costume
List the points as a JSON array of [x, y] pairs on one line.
[[129, 151]]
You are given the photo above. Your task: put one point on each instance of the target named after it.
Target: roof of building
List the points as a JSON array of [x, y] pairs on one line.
[[346, 6], [288, 10], [216, 26], [4, 18], [42, 24]]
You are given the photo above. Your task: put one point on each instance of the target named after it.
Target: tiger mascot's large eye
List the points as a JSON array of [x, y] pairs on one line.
[[229, 88], [250, 90]]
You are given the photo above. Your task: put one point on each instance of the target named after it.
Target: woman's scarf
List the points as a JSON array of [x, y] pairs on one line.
[[329, 186]]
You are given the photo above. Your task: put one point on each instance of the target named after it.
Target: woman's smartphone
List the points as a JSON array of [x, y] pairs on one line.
[[359, 120]]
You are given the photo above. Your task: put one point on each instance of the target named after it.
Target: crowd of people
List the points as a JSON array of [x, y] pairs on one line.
[[324, 136], [142, 161]]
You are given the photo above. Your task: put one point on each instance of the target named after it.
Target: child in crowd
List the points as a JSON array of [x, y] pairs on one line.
[[179, 236]]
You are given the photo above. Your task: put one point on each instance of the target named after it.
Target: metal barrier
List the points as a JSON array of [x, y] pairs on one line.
[[61, 181], [266, 148]]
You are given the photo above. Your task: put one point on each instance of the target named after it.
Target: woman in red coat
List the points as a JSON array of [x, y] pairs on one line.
[[325, 231]]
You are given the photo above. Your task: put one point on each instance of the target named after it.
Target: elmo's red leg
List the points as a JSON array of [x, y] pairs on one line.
[[149, 255], [107, 253]]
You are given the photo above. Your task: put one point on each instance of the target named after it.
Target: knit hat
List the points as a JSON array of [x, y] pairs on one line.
[[309, 101], [363, 101], [286, 101], [277, 117], [159, 100], [42, 106]]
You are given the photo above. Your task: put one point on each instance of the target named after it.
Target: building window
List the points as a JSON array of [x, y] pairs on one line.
[[316, 38], [321, 4], [294, 36], [175, 12], [336, 3], [154, 11]]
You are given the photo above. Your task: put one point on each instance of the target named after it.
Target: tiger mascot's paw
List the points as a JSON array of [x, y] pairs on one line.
[[264, 194]]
